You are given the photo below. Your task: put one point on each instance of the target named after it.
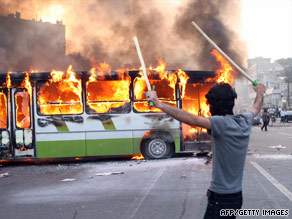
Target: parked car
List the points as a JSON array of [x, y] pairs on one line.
[[289, 116]]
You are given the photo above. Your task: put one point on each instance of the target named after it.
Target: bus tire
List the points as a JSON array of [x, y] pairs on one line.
[[156, 148]]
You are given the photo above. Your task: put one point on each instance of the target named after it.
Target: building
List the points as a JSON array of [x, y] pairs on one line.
[[30, 43], [262, 64]]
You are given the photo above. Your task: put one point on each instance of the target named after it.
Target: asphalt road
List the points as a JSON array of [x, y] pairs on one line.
[[157, 189]]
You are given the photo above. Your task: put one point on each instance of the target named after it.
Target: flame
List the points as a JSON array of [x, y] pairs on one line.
[[22, 100], [105, 91], [27, 85], [224, 73], [62, 94], [8, 80], [3, 111], [53, 13], [183, 79], [195, 102], [138, 157], [164, 83]]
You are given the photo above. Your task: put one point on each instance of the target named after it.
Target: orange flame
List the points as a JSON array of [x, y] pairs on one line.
[[164, 83], [183, 79], [8, 80], [104, 94], [194, 102], [27, 85], [22, 101], [62, 94], [224, 73], [138, 157], [3, 111]]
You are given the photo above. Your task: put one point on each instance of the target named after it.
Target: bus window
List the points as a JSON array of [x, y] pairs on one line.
[[108, 96], [3, 111], [165, 89], [22, 110], [60, 97], [194, 102]]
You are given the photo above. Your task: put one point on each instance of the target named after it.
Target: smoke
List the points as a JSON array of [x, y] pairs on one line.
[[103, 30], [218, 19]]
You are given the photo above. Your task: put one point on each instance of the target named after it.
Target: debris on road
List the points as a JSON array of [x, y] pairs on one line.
[[2, 175], [68, 180], [108, 173], [278, 147]]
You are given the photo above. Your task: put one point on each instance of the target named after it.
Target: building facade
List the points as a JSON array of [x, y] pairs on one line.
[[30, 43]]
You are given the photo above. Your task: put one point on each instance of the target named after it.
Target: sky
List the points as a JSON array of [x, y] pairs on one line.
[[267, 28]]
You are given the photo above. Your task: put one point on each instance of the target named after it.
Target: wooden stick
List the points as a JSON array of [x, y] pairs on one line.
[[255, 83], [142, 62], [143, 66]]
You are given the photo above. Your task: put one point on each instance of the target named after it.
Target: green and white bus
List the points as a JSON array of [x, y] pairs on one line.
[[87, 115]]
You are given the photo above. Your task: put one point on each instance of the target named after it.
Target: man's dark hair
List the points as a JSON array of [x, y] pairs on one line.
[[221, 99]]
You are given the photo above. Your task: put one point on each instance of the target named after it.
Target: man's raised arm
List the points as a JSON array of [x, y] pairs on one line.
[[179, 114], [260, 89]]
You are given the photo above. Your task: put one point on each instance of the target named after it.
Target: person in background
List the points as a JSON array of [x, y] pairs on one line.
[[230, 138], [286, 116], [266, 120], [283, 113]]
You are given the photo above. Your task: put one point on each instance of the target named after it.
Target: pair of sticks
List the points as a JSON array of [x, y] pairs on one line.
[[254, 83]]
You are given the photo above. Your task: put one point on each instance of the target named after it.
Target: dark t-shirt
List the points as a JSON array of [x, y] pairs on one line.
[[230, 139], [266, 117]]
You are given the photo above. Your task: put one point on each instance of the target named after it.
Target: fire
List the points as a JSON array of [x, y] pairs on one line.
[[164, 83], [62, 94], [22, 102], [8, 80], [27, 85], [138, 157], [183, 79], [224, 73], [53, 13], [106, 90], [3, 111], [194, 102]]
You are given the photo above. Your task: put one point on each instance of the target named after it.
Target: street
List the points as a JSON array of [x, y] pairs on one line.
[[170, 188]]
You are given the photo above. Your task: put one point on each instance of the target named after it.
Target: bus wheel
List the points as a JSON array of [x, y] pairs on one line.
[[156, 148]]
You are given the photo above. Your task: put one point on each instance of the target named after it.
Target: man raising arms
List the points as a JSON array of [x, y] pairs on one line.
[[230, 138]]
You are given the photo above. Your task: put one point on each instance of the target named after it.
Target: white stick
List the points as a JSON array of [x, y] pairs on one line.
[[142, 62], [222, 53]]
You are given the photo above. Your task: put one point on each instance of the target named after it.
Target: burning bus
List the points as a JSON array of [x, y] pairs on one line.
[[100, 113]]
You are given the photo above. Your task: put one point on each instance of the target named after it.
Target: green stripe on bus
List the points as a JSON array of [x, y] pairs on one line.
[[108, 124], [177, 144], [62, 127], [101, 147], [49, 149]]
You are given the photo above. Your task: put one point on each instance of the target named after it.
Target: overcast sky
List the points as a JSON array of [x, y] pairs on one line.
[[267, 28]]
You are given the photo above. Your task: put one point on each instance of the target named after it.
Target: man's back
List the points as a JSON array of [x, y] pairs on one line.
[[230, 135]]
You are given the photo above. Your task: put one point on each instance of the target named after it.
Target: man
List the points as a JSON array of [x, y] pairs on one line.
[[283, 113], [230, 137], [266, 120]]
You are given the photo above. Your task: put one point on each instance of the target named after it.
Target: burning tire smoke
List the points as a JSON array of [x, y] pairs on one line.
[[102, 30]]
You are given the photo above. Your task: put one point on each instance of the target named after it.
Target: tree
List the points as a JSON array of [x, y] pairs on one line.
[[287, 73]]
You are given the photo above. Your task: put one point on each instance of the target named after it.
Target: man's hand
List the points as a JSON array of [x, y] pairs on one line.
[[260, 88], [152, 96]]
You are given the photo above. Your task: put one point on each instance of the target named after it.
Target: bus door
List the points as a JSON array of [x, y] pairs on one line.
[[5, 149], [22, 131]]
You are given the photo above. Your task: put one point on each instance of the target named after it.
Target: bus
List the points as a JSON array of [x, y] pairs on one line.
[[90, 114]]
